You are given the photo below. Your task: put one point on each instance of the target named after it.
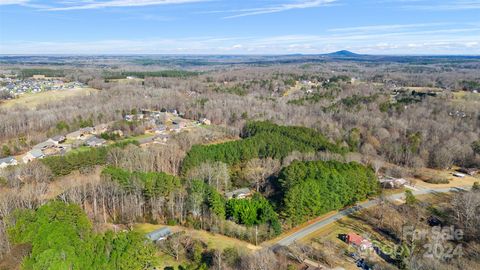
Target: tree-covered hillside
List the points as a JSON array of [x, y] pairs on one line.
[[314, 188], [62, 237], [261, 140]]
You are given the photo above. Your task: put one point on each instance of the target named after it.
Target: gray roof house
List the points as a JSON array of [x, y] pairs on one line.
[[57, 139], [33, 154], [44, 145], [94, 142], [160, 234], [8, 161]]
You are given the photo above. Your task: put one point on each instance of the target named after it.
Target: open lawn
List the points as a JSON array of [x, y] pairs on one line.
[[426, 173], [31, 101]]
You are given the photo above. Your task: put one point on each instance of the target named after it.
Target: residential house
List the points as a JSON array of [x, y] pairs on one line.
[[57, 139], [358, 241], [8, 161], [95, 142], [241, 193], [44, 145], [390, 182], [32, 155], [160, 234]]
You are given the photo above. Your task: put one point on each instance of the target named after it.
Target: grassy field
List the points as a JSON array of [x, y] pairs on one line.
[[464, 97], [426, 173], [31, 101], [80, 149]]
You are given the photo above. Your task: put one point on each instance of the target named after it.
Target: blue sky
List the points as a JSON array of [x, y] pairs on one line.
[[239, 27]]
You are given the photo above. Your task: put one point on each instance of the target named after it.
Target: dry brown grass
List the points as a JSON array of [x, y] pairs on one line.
[[32, 101]]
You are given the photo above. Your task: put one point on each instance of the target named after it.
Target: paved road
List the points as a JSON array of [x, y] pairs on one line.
[[343, 213]]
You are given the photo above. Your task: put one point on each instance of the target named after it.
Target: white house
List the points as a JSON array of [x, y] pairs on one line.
[[8, 161]]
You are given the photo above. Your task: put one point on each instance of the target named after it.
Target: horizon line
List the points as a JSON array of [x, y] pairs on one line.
[[236, 54]]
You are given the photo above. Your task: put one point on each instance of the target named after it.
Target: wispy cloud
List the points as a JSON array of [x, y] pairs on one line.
[[434, 41], [386, 27], [445, 5], [279, 8], [13, 2], [82, 5]]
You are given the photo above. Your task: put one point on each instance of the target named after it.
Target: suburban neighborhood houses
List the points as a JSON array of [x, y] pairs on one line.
[[36, 84], [160, 125]]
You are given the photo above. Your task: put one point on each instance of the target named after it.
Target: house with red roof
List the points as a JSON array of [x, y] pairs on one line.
[[357, 240]]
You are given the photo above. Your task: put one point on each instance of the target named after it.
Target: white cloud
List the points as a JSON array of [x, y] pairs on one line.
[[279, 8], [448, 41], [386, 27], [119, 3], [13, 2]]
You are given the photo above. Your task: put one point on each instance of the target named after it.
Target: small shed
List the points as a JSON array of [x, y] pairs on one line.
[[159, 235]]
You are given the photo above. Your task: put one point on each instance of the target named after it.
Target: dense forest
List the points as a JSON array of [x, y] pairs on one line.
[[313, 188], [261, 140], [61, 237]]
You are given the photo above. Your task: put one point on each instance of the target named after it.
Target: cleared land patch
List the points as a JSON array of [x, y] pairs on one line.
[[32, 101]]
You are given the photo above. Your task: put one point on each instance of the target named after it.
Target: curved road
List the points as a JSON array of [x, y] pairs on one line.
[[343, 213]]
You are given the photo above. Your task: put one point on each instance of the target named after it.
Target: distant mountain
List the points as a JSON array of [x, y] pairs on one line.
[[343, 53]]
